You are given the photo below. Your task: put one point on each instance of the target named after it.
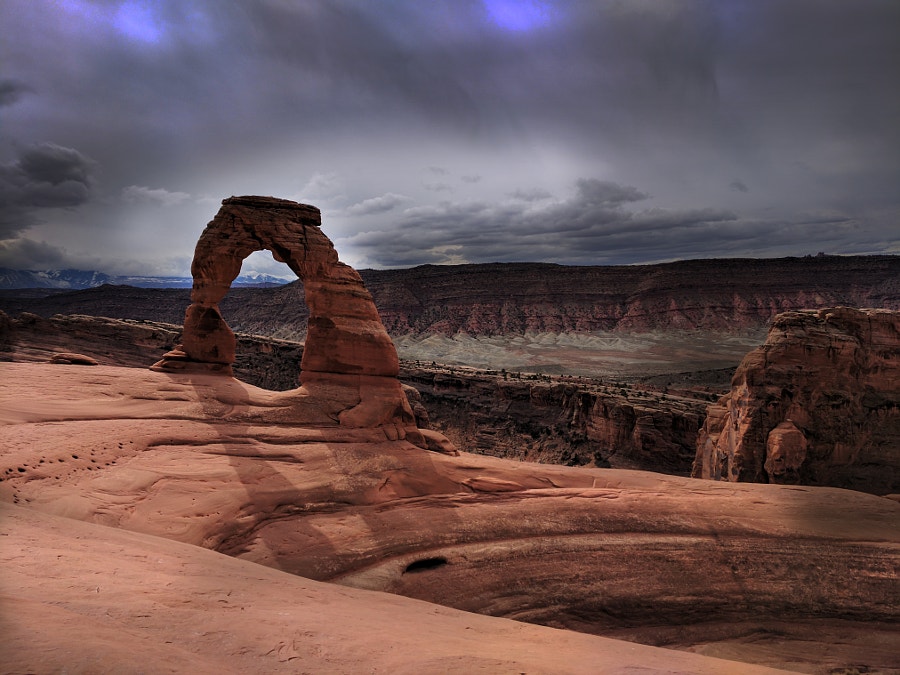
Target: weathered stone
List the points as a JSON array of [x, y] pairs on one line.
[[70, 358], [817, 404], [785, 453], [348, 358]]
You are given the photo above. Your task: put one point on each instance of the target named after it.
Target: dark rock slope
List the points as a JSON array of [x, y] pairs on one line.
[[493, 299], [817, 404], [571, 421]]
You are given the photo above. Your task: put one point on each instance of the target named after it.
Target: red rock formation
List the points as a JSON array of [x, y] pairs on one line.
[[719, 295], [818, 404], [783, 575], [573, 422], [348, 359]]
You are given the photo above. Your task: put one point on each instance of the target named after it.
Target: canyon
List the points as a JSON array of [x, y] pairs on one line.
[[173, 470], [667, 423]]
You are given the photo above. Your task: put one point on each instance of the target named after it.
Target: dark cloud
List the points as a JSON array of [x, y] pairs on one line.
[[381, 204], [11, 91], [531, 195], [592, 191], [590, 227], [137, 194], [43, 176], [27, 254], [494, 113]]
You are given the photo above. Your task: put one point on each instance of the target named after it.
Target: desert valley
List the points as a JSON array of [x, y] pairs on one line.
[[681, 468]]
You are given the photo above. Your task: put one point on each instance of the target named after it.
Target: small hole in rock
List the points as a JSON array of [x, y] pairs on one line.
[[425, 564]]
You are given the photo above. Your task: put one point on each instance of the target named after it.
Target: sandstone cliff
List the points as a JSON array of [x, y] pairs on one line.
[[817, 404], [721, 294], [570, 421], [498, 299]]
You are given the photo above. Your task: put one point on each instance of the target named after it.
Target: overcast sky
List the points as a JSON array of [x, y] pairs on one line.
[[571, 131]]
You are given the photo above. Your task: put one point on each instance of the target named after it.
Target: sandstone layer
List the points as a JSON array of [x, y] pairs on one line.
[[817, 404], [763, 573], [720, 295], [83, 598], [564, 420]]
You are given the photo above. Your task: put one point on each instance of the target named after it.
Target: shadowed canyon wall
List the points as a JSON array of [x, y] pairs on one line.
[[510, 299], [817, 404]]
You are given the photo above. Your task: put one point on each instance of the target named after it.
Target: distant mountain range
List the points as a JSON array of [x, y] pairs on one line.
[[82, 279], [503, 299]]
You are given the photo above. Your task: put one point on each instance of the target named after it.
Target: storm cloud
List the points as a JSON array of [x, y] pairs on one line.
[[43, 176], [456, 130]]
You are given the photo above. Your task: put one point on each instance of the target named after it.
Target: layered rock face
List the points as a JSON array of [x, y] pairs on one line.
[[511, 299], [348, 358], [569, 421], [817, 404], [720, 295]]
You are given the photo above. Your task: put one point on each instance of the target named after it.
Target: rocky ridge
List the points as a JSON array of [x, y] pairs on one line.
[[724, 295], [262, 361], [817, 404]]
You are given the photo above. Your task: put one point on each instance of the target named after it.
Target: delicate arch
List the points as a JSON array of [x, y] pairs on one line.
[[344, 335]]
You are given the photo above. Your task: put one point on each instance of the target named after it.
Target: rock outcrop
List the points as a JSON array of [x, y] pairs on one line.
[[160, 607], [348, 360], [573, 421], [265, 362], [817, 404], [788, 576]]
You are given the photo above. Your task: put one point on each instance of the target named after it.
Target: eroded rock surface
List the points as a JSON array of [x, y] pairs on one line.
[[780, 575], [262, 361], [572, 421], [348, 358], [817, 404]]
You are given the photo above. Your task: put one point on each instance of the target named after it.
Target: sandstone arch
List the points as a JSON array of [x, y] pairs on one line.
[[349, 367], [345, 334]]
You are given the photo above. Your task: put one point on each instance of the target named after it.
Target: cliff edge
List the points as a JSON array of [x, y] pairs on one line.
[[817, 404]]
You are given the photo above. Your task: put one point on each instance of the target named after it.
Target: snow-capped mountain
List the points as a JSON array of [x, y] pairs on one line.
[[80, 279]]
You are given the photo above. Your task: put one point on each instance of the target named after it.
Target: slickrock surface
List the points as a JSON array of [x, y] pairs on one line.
[[817, 404], [788, 576], [83, 598]]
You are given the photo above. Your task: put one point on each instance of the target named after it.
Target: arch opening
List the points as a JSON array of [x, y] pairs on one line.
[[344, 334]]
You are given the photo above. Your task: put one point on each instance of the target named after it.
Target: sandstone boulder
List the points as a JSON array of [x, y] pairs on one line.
[[817, 404], [71, 358]]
